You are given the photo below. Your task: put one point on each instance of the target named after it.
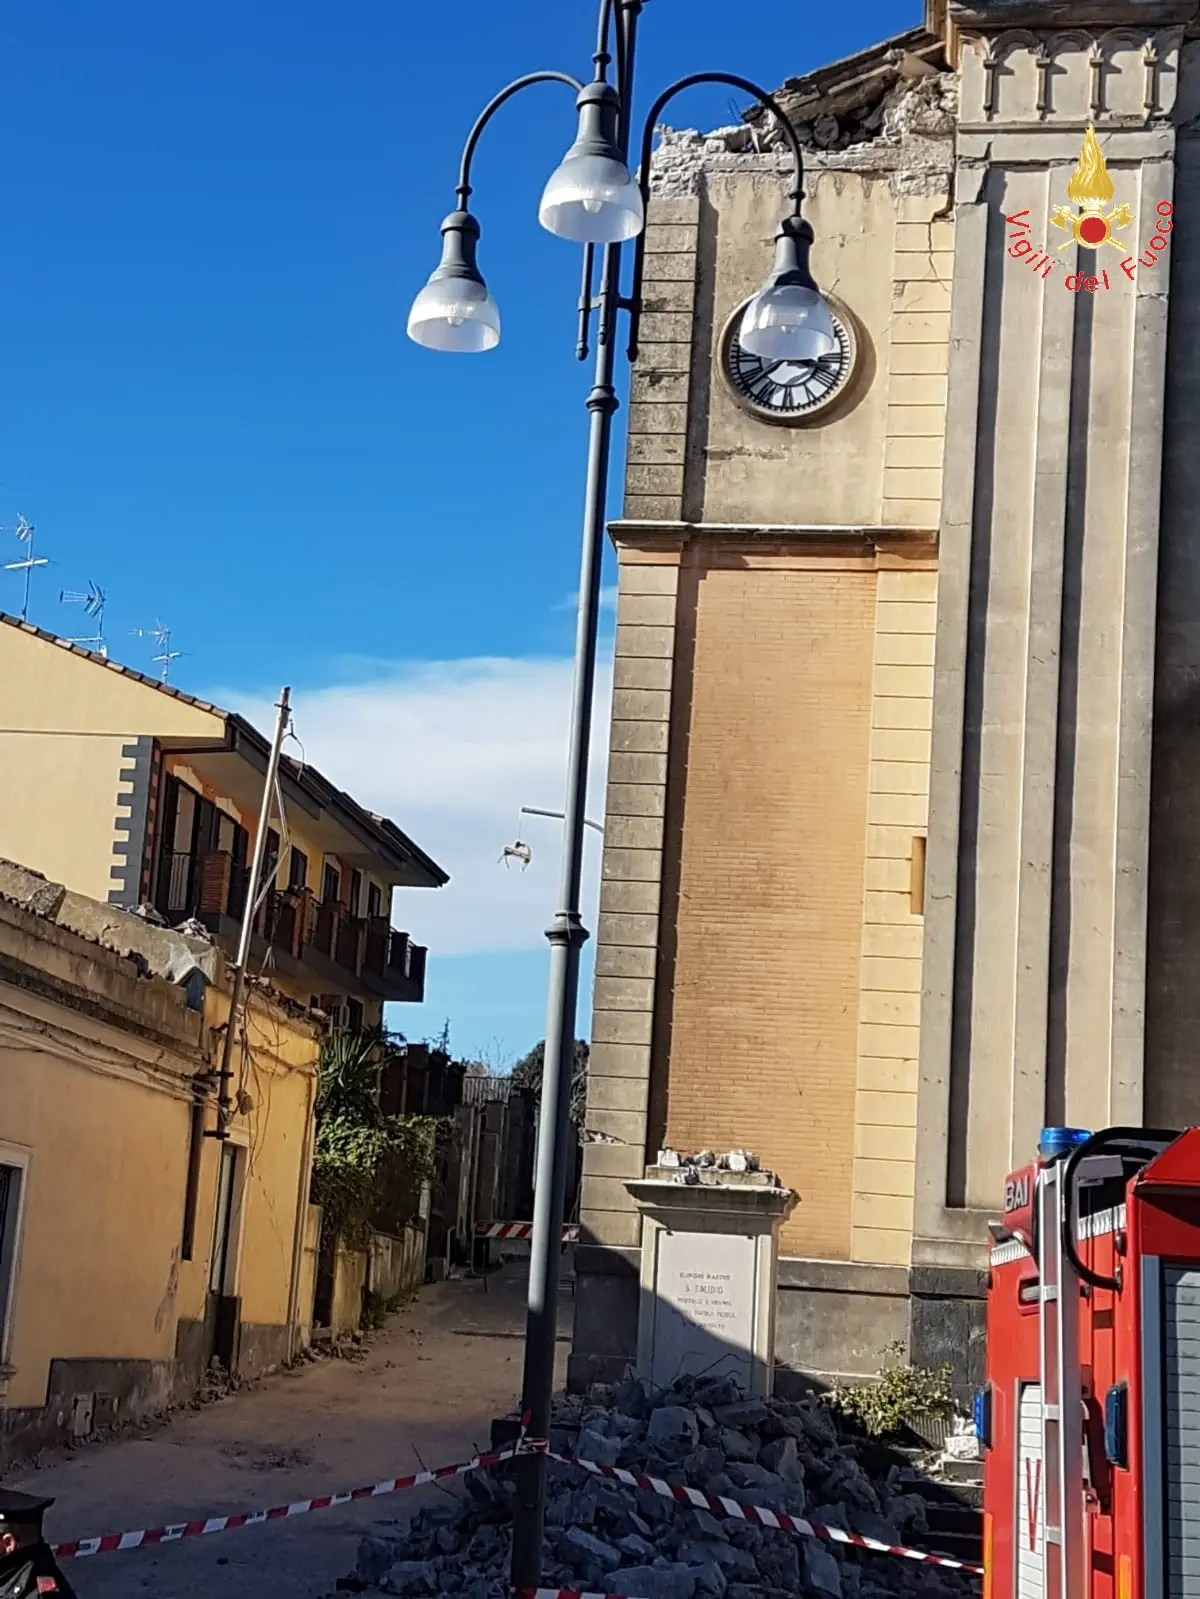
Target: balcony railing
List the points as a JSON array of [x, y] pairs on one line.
[[385, 962]]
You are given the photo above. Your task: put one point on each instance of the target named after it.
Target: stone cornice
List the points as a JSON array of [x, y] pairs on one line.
[[673, 535], [986, 16]]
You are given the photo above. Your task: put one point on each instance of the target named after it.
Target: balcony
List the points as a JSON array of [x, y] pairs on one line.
[[316, 942]]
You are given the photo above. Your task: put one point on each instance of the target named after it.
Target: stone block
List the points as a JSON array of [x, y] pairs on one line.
[[629, 1094], [925, 450], [920, 207], [665, 211], [658, 402], [922, 266], [624, 960], [641, 672], [619, 1060], [916, 421], [644, 578], [646, 610], [622, 1026], [622, 1161], [899, 777], [640, 704], [898, 810], [627, 767], [637, 931], [636, 799], [900, 744], [656, 449], [620, 1228], [665, 356], [906, 586], [889, 1076], [892, 1043], [920, 327], [904, 649], [883, 1211], [904, 682], [941, 234], [891, 941], [638, 640], [884, 1246], [637, 899], [877, 1109], [889, 843], [881, 905], [892, 974], [664, 327], [623, 993], [885, 1143], [632, 865], [675, 294], [892, 876], [670, 238], [906, 615], [670, 266], [654, 480], [917, 388], [644, 738], [634, 832], [652, 507]]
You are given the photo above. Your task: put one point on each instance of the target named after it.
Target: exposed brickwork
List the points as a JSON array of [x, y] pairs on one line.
[[763, 1035]]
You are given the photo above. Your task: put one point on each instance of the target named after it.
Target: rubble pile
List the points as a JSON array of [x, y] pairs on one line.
[[605, 1537]]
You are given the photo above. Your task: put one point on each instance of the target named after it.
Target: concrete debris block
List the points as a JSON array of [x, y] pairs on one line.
[[673, 1424], [742, 1413], [582, 1549], [636, 1547], [734, 1445], [654, 1582], [783, 1458], [376, 1557], [711, 1581], [595, 1446], [412, 1578], [822, 1574], [703, 1524]]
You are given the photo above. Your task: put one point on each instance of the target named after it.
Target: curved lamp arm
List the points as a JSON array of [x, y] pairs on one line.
[[489, 111], [764, 99]]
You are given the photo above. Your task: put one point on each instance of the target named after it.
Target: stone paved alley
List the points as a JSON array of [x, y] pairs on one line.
[[428, 1387]]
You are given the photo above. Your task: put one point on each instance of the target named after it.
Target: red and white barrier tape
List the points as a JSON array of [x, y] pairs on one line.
[[113, 1542], [521, 1229], [761, 1515]]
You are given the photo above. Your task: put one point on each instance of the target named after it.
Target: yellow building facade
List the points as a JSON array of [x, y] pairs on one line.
[[133, 1248]]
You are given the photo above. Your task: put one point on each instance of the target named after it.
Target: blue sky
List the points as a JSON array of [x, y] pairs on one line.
[[216, 217]]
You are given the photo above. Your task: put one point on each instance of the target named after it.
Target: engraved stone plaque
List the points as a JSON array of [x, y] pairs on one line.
[[705, 1306]]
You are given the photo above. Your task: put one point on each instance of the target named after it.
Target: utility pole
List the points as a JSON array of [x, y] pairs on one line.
[[237, 999]]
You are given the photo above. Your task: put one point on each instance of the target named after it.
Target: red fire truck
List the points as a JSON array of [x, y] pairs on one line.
[[1090, 1418]]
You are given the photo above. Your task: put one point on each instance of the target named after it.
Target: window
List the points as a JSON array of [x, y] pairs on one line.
[[331, 883], [355, 901], [354, 1015], [298, 869], [12, 1197], [374, 900]]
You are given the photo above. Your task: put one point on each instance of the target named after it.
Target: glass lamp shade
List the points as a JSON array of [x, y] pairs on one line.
[[592, 199], [788, 322], [456, 316]]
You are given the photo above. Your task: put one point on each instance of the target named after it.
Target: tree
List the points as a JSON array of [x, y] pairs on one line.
[[527, 1073]]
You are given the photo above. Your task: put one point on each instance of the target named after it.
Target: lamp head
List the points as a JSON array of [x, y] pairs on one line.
[[592, 198], [789, 318], [454, 312]]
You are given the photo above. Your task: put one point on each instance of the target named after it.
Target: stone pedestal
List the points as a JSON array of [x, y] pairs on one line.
[[708, 1269]]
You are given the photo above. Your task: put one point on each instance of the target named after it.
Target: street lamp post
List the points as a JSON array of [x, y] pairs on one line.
[[593, 199]]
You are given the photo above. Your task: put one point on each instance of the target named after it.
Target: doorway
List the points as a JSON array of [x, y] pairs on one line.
[[223, 1310]]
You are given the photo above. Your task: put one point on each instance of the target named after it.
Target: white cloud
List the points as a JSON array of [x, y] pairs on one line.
[[450, 750]]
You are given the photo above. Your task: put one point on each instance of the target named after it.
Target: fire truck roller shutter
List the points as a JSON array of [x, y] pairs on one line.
[[1181, 1429], [1030, 1510]]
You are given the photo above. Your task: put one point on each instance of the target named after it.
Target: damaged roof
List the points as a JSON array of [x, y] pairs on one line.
[[384, 836]]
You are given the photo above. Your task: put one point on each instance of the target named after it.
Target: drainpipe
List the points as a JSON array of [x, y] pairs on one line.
[[293, 1337], [201, 1084]]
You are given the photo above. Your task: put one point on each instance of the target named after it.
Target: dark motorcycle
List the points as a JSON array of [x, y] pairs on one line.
[[27, 1568]]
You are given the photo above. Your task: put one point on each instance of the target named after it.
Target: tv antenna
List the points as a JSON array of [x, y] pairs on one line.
[[92, 599], [25, 531], [160, 633]]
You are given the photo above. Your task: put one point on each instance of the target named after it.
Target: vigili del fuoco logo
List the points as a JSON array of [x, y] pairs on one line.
[[1088, 225]]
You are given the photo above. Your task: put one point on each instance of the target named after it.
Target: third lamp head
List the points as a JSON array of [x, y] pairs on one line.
[[592, 197], [789, 318]]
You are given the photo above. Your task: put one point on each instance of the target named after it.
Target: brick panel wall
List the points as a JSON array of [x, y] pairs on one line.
[[773, 818]]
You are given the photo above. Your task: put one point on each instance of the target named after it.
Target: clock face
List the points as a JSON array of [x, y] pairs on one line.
[[787, 391]]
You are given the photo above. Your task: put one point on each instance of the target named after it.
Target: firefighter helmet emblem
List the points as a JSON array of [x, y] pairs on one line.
[[1091, 189]]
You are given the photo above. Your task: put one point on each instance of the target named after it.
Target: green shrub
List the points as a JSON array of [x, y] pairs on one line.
[[882, 1408]]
